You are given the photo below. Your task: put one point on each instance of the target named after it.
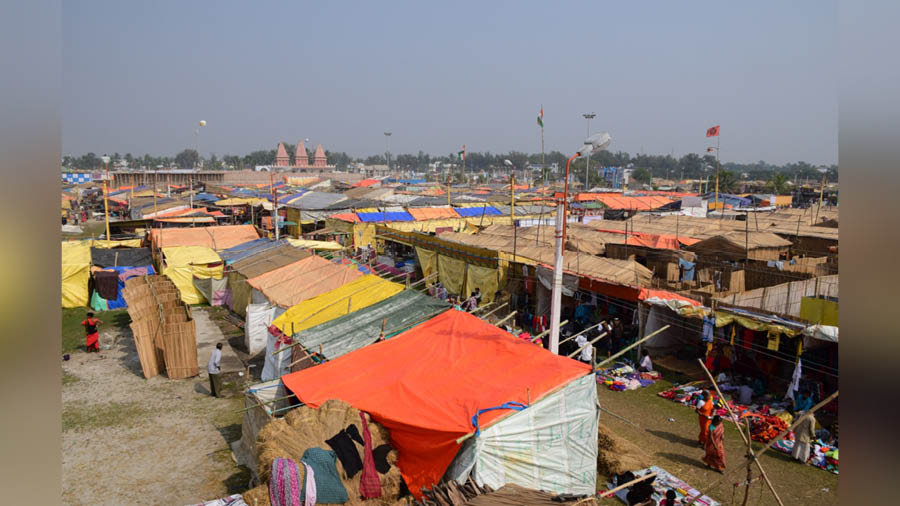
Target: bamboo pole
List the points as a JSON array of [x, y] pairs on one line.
[[629, 347], [423, 279], [589, 343], [746, 438], [611, 492], [578, 334], [507, 317], [265, 403], [483, 307], [544, 333], [501, 306], [764, 448]]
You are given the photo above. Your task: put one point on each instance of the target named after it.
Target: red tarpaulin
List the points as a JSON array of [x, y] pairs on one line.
[[425, 384]]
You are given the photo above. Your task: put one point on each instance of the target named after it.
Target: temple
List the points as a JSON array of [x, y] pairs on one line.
[[301, 159], [281, 157]]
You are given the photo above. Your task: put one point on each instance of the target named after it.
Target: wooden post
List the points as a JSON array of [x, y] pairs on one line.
[[507, 317]]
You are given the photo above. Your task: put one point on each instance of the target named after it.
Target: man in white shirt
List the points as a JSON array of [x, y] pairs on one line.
[[587, 351], [214, 367]]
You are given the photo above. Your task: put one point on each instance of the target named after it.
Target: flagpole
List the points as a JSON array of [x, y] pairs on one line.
[[717, 176]]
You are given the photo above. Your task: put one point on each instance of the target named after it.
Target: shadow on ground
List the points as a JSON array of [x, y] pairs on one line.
[[674, 438]]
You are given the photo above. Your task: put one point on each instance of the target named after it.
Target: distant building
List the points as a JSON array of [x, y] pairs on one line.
[[281, 157]]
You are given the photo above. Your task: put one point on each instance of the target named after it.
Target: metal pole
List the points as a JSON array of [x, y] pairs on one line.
[[587, 164], [717, 174], [556, 299], [106, 203]]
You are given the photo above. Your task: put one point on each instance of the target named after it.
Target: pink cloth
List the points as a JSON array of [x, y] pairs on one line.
[[369, 484], [310, 499]]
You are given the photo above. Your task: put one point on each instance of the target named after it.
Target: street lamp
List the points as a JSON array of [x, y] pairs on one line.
[[593, 144], [387, 148], [105, 159], [587, 163], [824, 171]]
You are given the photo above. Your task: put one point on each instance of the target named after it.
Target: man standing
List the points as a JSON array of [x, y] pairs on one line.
[[214, 367], [804, 433]]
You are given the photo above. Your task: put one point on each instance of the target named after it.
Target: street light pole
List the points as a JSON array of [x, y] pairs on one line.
[[387, 149], [106, 197], [587, 164]]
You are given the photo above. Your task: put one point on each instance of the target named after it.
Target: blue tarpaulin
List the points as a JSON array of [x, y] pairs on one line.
[[387, 216], [208, 197], [468, 212], [100, 304]]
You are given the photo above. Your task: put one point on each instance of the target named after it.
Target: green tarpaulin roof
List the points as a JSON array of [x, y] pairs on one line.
[[361, 328]]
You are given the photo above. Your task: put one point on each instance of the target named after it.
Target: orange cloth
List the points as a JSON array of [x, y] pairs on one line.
[[715, 448], [425, 384], [704, 414]]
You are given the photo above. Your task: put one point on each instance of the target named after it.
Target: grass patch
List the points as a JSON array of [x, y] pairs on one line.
[[68, 379], [93, 228], [101, 416], [73, 332]]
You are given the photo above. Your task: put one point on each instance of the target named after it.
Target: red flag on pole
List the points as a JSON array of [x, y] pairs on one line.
[[713, 132]]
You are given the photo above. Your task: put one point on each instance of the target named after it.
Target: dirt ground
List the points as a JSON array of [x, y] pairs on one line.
[[129, 440], [672, 446]]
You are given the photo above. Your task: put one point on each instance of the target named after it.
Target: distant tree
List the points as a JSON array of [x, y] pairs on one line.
[[214, 163], [641, 175], [778, 183], [129, 159], [187, 158], [728, 181]]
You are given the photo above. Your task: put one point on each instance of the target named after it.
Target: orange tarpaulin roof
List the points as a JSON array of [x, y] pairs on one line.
[[425, 384], [656, 241], [432, 213], [304, 279], [365, 182], [647, 293], [217, 238], [351, 217]]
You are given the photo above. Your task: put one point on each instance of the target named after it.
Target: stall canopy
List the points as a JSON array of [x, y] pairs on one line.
[[395, 381], [76, 273], [134, 257], [474, 212], [184, 263], [216, 238], [351, 297], [361, 328], [247, 249], [302, 280], [385, 216], [268, 260]]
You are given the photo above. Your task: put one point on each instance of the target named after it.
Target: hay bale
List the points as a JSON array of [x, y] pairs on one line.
[[305, 428], [616, 455]]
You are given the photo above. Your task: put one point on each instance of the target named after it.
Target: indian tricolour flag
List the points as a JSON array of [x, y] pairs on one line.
[[462, 154], [541, 117]]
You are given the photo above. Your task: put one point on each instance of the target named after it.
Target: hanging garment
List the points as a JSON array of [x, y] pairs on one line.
[[380, 455], [310, 488], [346, 452], [709, 325], [687, 273], [369, 484], [795, 381], [107, 284], [329, 488]]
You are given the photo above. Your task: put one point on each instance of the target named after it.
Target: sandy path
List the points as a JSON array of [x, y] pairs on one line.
[[127, 440]]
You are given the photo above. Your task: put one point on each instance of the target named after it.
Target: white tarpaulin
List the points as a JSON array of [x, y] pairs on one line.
[[551, 445], [569, 281], [279, 365], [256, 326]]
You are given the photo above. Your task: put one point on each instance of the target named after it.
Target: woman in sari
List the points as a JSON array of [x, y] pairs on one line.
[[704, 411], [715, 445]]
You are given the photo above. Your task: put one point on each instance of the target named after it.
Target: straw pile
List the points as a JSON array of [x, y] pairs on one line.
[[616, 455], [304, 428]]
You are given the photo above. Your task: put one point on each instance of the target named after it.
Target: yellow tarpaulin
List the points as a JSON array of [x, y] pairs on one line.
[[317, 245], [723, 319], [483, 278], [240, 202], [76, 273], [184, 263], [124, 243], [363, 235], [428, 262], [452, 274], [819, 311], [353, 296]]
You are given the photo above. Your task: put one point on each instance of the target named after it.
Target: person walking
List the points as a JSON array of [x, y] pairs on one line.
[[92, 338], [715, 445], [214, 368], [704, 411], [804, 433]]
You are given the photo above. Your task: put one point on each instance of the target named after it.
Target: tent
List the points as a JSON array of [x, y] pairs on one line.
[[114, 257], [76, 273], [216, 237], [301, 280], [255, 265], [247, 249], [437, 382], [125, 273], [182, 264], [362, 328]]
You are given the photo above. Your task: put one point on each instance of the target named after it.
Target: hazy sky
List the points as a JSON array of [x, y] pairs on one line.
[[138, 76]]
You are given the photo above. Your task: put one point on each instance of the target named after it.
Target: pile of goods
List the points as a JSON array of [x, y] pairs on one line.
[[661, 483], [822, 455], [622, 376]]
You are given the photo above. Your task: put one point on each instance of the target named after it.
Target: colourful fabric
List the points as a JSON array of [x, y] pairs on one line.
[[703, 415], [369, 484], [310, 489], [284, 484], [715, 448], [329, 489], [395, 382]]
